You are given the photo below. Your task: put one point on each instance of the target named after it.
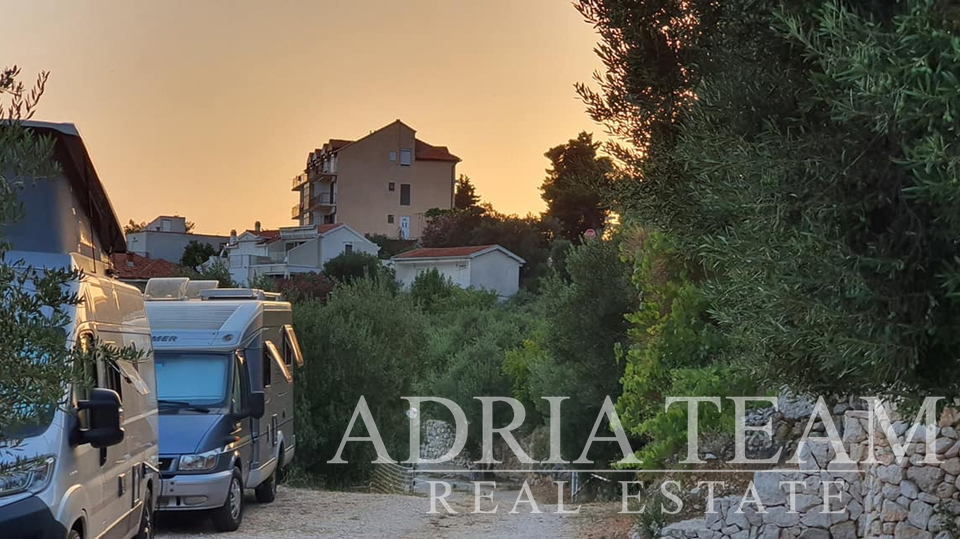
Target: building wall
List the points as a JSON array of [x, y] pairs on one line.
[[168, 246], [496, 272], [364, 172], [457, 271], [334, 242]]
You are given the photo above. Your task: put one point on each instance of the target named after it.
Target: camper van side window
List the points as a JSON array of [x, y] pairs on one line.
[[82, 390]]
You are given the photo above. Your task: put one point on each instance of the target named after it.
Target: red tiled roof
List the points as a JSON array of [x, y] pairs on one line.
[[135, 267], [426, 152], [323, 229], [444, 252]]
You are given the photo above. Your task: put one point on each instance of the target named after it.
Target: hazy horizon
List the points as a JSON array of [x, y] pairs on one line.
[[208, 110]]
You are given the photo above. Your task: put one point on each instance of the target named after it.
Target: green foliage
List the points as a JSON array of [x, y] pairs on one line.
[[558, 257], [811, 183], [196, 254], [366, 341], [391, 246], [570, 348], [464, 194], [348, 267], [216, 270], [133, 226], [575, 185], [297, 288]]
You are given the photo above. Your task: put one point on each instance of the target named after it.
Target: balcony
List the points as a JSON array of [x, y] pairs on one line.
[[296, 211], [298, 181], [322, 200], [320, 174]]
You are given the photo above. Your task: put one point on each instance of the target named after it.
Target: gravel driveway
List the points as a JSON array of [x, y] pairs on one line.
[[299, 513]]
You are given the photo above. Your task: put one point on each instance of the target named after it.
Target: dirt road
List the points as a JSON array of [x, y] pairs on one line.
[[299, 513]]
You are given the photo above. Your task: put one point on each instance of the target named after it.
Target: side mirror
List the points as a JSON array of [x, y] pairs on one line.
[[257, 404], [105, 411]]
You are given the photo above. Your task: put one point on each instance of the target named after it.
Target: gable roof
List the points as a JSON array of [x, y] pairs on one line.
[[131, 266], [469, 251], [323, 229]]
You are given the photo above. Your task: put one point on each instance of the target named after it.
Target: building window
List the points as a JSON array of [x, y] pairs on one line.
[[393, 157], [347, 248], [391, 187], [404, 194], [406, 156], [390, 219]]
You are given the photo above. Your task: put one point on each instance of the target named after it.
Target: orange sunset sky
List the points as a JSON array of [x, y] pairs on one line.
[[207, 108]]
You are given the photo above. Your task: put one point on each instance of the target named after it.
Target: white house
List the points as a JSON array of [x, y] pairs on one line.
[[488, 267], [166, 237], [290, 250]]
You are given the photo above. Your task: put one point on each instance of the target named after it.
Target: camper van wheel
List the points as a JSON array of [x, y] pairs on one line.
[[146, 518], [228, 517], [74, 534], [267, 491]]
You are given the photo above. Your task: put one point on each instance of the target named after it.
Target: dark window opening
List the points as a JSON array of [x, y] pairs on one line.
[[404, 194]]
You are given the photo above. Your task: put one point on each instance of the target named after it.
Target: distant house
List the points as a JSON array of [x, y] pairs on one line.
[[166, 237], [290, 250], [137, 270], [382, 183], [487, 267]]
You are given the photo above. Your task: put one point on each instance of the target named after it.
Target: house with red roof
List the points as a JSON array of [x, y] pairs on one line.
[[136, 269], [290, 250], [486, 267], [382, 183]]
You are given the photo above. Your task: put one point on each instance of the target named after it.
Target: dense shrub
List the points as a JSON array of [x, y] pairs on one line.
[[348, 267]]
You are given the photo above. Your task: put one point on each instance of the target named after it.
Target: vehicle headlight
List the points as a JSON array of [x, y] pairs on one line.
[[28, 476], [200, 462]]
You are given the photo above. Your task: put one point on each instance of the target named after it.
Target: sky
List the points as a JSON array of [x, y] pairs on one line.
[[208, 108]]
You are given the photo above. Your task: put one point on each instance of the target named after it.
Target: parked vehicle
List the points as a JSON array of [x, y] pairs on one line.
[[87, 469], [225, 366]]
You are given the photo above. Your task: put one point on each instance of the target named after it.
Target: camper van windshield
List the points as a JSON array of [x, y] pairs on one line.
[[192, 378]]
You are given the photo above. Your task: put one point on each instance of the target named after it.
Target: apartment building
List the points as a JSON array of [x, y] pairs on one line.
[[382, 183]]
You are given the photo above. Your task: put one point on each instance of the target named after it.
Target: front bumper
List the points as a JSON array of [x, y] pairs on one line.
[[30, 518], [194, 491]]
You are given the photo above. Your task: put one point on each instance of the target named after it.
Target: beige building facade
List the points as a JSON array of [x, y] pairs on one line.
[[382, 183]]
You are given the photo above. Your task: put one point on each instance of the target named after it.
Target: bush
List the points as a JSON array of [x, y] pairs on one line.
[[348, 267], [366, 341]]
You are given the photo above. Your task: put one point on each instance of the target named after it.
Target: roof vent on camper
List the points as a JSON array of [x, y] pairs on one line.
[[195, 287], [166, 289]]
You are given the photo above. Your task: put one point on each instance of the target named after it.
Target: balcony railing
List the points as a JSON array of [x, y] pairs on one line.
[[299, 180], [296, 211], [323, 199], [321, 174]]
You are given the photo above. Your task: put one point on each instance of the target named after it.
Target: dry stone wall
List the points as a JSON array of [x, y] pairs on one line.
[[891, 498]]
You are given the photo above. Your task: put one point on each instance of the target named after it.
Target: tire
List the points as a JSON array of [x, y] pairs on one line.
[[147, 522], [229, 517], [74, 534], [266, 492]]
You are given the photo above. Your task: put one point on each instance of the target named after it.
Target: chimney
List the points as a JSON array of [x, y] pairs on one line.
[[233, 237], [256, 227]]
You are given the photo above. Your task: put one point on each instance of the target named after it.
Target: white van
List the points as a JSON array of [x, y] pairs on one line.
[[89, 470]]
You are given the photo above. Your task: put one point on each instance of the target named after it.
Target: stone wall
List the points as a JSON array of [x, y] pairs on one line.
[[889, 499]]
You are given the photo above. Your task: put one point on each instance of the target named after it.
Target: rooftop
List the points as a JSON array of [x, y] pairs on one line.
[[131, 266]]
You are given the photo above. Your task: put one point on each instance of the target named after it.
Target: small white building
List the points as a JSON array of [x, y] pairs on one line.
[[289, 250], [487, 267], [166, 237]]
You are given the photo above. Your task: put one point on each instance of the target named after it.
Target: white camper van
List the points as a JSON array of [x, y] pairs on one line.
[[91, 469], [225, 361]]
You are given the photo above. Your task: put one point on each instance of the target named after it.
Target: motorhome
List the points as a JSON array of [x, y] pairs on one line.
[[225, 360], [88, 468]]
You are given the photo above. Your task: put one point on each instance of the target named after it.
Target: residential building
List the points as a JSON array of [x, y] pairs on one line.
[[166, 237], [137, 270], [289, 250], [487, 267], [382, 183]]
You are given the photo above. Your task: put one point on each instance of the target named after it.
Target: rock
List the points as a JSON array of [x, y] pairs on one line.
[[768, 488], [805, 502], [919, 514], [949, 432], [906, 531], [928, 498], [909, 489], [855, 509], [742, 534], [949, 417], [778, 516], [844, 530], [945, 490], [770, 532], [733, 518], [951, 466], [892, 474], [815, 519], [953, 451], [892, 512], [680, 529], [926, 477], [814, 533], [943, 444]]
